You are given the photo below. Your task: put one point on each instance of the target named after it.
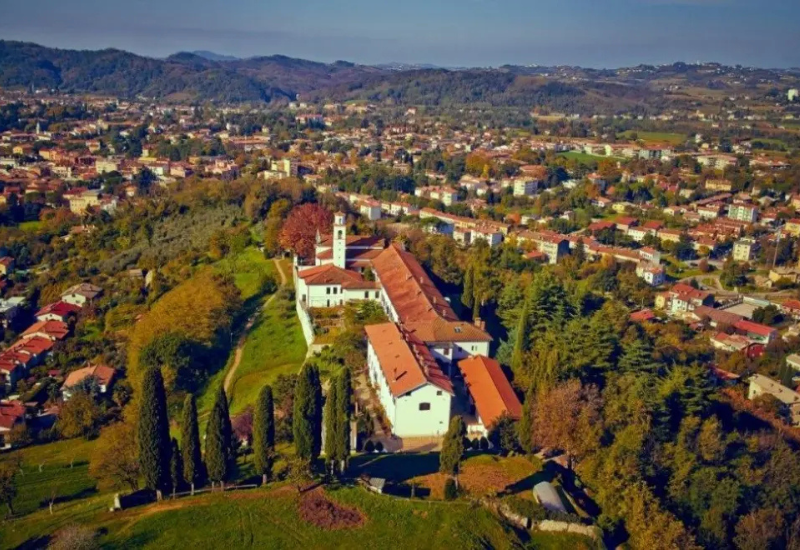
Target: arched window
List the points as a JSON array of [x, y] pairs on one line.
[[340, 234]]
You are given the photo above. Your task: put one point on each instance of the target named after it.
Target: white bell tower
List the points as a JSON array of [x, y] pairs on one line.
[[339, 239]]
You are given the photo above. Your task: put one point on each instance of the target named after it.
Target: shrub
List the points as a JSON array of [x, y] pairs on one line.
[[450, 489], [484, 444], [369, 446]]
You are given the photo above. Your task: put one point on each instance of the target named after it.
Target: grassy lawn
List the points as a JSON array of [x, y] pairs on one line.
[[655, 137], [584, 158], [65, 469], [260, 519], [275, 345], [30, 226], [248, 270]]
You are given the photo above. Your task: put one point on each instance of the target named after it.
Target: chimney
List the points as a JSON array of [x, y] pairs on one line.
[[480, 323]]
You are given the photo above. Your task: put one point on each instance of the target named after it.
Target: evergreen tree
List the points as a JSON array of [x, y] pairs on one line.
[[154, 445], [467, 295], [176, 467], [452, 448], [580, 253], [264, 434], [521, 340], [219, 447], [190, 439], [637, 357], [345, 411], [307, 420], [332, 421], [525, 424]]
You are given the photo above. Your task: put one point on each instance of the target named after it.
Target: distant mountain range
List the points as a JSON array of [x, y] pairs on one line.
[[208, 76]]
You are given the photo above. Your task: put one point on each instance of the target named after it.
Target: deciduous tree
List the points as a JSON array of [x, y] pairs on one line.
[[299, 231]]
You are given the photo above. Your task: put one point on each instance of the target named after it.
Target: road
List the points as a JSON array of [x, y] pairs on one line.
[[237, 357]]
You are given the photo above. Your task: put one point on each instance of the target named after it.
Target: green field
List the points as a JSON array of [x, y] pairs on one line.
[[655, 137], [274, 345], [584, 158], [64, 469], [270, 519], [30, 226], [248, 271]]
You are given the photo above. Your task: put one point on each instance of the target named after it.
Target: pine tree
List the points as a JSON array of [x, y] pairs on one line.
[[580, 253], [637, 357], [154, 445], [452, 448], [176, 467], [264, 434], [307, 420], [219, 448], [190, 439]]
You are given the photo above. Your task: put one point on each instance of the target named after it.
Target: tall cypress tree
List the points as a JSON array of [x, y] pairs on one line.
[[154, 444], [176, 467], [332, 422], [345, 411], [468, 293], [520, 340], [525, 425], [219, 448], [264, 434], [452, 448], [190, 439], [307, 421]]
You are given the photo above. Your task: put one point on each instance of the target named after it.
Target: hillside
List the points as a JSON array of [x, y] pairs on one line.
[[200, 76]]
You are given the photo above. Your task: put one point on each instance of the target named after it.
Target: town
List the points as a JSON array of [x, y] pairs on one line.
[[351, 304]]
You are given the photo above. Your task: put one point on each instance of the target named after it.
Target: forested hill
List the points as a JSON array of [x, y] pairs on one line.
[[189, 76]]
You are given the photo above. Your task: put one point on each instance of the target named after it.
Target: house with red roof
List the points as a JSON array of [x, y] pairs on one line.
[[58, 311], [756, 332], [103, 375], [414, 392], [490, 394], [12, 413], [53, 330]]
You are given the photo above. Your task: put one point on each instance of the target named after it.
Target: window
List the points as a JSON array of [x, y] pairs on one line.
[[439, 392], [339, 234], [327, 290], [424, 406], [335, 290], [366, 295]]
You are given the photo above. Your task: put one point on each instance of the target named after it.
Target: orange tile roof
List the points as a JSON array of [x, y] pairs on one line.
[[441, 330], [329, 274], [103, 373], [406, 362], [55, 330], [411, 291], [490, 389]]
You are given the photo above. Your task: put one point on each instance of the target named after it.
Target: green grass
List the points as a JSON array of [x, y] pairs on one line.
[[30, 226], [275, 345], [248, 270], [655, 137], [256, 519], [65, 468], [584, 158], [557, 541]]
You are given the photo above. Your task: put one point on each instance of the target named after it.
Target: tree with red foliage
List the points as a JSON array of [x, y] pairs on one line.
[[299, 231]]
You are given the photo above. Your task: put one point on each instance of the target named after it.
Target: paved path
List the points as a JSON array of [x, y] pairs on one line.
[[237, 357]]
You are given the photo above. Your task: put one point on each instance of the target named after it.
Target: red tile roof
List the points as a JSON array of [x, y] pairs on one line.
[[55, 330], [62, 309], [329, 274], [490, 389], [103, 373], [11, 412], [406, 362], [754, 328], [412, 293]]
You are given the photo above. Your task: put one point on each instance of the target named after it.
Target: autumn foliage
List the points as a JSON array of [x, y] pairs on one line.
[[299, 231]]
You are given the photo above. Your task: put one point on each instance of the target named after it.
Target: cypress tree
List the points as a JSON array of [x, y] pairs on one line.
[[264, 434], [467, 294], [525, 425], [345, 411], [452, 448], [219, 449], [190, 439], [176, 467], [520, 340], [307, 421], [154, 444], [332, 421]]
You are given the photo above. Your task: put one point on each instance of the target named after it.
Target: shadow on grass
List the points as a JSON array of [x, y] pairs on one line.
[[396, 468], [84, 493]]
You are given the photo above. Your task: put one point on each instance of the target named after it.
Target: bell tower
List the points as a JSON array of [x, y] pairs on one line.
[[339, 239]]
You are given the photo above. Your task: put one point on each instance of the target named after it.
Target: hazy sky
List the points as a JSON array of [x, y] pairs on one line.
[[597, 33]]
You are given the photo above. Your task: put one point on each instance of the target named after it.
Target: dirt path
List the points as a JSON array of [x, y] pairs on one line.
[[237, 357]]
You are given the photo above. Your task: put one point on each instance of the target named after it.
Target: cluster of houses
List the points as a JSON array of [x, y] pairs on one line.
[[424, 352], [52, 325]]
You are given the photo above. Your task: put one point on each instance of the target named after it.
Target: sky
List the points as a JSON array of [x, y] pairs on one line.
[[475, 33]]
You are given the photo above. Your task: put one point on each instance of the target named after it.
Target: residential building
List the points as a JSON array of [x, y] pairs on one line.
[[653, 275], [524, 187], [103, 375], [683, 298], [762, 385], [743, 212], [745, 249], [81, 294]]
